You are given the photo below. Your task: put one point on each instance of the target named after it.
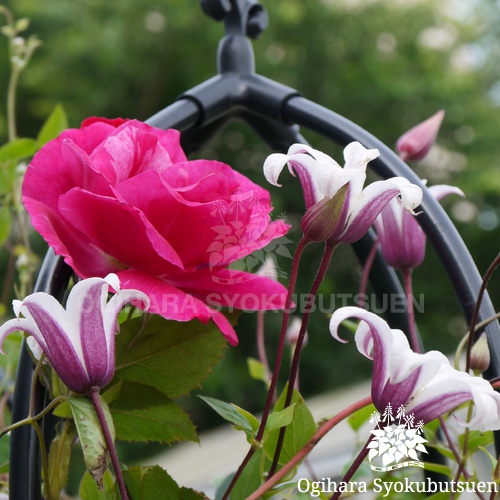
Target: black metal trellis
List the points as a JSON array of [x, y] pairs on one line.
[[275, 112]]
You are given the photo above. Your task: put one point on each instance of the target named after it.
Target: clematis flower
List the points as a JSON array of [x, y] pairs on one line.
[[79, 341], [424, 384], [339, 210], [402, 240], [417, 142]]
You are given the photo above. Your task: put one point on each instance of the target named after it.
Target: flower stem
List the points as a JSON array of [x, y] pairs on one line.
[[45, 464], [320, 276], [366, 273], [96, 401], [279, 358], [320, 433], [415, 341], [354, 467], [475, 315], [261, 346]]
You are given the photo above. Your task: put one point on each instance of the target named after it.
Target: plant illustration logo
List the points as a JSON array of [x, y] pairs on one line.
[[396, 442]]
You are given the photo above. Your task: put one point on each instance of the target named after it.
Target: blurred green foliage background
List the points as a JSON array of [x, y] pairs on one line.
[[386, 65]]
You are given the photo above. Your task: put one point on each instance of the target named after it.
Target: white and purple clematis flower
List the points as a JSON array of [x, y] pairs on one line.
[[79, 341], [339, 210], [402, 240], [424, 384]]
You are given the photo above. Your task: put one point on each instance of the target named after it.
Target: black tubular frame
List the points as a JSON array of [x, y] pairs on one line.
[[275, 112]]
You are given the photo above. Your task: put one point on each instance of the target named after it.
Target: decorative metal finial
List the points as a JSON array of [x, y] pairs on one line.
[[241, 17]]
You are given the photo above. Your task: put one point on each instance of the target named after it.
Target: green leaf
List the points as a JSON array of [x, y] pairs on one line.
[[91, 436], [250, 479], [441, 469], [358, 418], [476, 439], [258, 371], [298, 432], [241, 419], [113, 392], [5, 223], [59, 457], [4, 453], [7, 176], [279, 419], [141, 413], [90, 491], [18, 149], [154, 483], [53, 126], [492, 458], [171, 356]]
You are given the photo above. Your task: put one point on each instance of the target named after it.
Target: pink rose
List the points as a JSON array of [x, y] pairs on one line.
[[118, 196]]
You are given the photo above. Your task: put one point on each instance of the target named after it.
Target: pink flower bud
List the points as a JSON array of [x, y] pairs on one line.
[[417, 142]]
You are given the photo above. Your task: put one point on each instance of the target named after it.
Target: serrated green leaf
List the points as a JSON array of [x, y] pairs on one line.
[[298, 432], [91, 436], [18, 149], [90, 491], [171, 356], [241, 419], [141, 413], [358, 418], [258, 371], [5, 223], [53, 126], [154, 483]]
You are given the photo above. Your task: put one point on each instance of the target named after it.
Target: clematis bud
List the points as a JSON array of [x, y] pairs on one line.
[[417, 142], [292, 333], [480, 355], [79, 341], [402, 240]]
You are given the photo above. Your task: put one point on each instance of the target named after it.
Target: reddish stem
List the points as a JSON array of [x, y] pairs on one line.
[[279, 358], [327, 257], [96, 401], [415, 343], [320, 433], [366, 273]]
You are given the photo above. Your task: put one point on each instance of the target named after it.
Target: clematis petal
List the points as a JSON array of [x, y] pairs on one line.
[[439, 191], [369, 205]]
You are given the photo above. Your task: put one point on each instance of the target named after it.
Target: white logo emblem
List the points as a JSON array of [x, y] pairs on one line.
[[395, 440]]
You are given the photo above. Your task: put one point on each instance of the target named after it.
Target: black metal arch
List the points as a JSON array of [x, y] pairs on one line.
[[275, 112]]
